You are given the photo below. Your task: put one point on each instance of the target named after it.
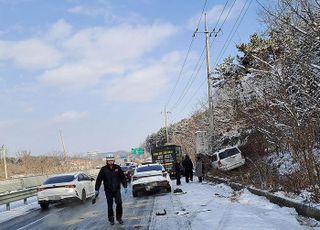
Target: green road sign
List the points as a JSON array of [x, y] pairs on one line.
[[137, 150]]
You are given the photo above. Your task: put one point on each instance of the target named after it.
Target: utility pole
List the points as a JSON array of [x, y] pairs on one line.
[[165, 113], [63, 146], [3, 151], [208, 73], [209, 79]]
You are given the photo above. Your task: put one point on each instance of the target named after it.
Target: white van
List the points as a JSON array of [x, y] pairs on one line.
[[227, 159]]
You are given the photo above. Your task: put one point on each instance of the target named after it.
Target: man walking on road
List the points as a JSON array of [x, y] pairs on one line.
[[188, 168], [112, 176]]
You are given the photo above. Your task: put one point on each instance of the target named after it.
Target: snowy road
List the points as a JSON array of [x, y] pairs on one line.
[[203, 207]]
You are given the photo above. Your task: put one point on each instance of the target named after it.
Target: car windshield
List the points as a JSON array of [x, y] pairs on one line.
[[149, 168], [228, 153], [59, 179]]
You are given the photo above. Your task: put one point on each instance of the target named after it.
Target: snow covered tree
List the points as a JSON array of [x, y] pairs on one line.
[[283, 72]]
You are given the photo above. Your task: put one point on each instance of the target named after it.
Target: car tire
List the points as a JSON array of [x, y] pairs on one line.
[[134, 194], [83, 196], [44, 206]]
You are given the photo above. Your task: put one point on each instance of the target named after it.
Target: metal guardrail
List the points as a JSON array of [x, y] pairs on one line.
[[24, 188], [15, 196]]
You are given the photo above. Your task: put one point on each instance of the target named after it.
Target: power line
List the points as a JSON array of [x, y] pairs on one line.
[[225, 19], [231, 34], [197, 69], [187, 55], [235, 27], [191, 80]]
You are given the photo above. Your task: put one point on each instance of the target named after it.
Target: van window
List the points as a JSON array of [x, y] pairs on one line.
[[228, 153], [214, 157]]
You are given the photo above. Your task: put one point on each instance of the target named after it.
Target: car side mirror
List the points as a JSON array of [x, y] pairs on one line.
[[92, 179]]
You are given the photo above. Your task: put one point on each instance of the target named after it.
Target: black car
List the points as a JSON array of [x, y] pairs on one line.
[[127, 172]]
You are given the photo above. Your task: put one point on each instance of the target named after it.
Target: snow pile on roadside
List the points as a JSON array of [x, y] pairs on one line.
[[304, 197], [219, 207]]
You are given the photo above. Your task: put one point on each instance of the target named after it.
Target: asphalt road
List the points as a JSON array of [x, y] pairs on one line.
[[74, 215]]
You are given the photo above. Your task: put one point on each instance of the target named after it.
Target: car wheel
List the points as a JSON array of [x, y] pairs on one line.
[[44, 206], [83, 196], [134, 194]]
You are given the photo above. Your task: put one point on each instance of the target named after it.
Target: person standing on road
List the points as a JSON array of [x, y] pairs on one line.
[[112, 176], [188, 168], [199, 171], [177, 169]]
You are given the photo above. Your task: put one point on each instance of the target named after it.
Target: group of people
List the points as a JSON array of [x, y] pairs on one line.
[[186, 166], [112, 177]]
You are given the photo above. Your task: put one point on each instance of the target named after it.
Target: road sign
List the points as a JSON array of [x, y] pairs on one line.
[[137, 150]]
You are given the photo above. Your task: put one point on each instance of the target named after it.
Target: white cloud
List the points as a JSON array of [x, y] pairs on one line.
[[88, 54], [100, 52], [118, 43], [70, 116], [61, 29], [145, 83], [90, 10], [76, 9], [30, 54], [80, 75]]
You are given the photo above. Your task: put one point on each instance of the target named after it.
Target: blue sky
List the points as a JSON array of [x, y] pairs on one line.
[[102, 71]]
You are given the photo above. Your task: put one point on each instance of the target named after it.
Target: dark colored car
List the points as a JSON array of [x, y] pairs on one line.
[[127, 172]]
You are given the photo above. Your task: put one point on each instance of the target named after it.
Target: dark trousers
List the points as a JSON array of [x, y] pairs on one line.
[[200, 178], [188, 175], [178, 176], [117, 197]]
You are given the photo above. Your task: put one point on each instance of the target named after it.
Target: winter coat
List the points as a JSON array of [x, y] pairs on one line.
[[187, 164], [112, 178], [199, 168], [177, 168]]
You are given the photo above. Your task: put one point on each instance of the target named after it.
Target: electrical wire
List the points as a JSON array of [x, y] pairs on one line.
[[226, 45], [197, 69], [187, 55]]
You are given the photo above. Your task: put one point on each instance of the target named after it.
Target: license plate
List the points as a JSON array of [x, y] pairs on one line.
[[54, 198], [151, 186]]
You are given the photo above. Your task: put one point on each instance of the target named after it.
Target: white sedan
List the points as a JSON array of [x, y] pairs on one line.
[[150, 178], [77, 186]]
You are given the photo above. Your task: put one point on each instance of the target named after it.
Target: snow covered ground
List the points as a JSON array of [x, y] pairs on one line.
[[18, 208], [210, 206]]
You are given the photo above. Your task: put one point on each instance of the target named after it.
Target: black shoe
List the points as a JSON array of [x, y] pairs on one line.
[[120, 221], [111, 220]]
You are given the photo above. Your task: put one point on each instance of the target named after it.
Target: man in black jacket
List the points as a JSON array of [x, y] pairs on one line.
[[112, 176], [188, 168]]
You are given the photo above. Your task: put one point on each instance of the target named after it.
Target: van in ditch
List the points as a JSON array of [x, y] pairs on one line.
[[227, 159]]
